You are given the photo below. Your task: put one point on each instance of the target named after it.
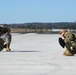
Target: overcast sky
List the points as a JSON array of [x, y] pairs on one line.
[[24, 11]]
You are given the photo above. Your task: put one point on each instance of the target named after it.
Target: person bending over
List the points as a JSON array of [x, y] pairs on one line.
[[5, 40], [68, 41]]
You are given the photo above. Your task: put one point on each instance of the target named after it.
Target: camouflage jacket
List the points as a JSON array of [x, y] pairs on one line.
[[69, 37]]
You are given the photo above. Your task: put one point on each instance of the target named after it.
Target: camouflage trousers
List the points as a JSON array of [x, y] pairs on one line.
[[4, 46], [70, 48], [69, 45]]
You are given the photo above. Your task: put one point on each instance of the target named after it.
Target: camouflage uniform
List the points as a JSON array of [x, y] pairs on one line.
[[70, 44], [5, 40], [68, 41]]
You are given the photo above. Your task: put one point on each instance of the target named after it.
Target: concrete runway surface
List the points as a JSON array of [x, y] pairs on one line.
[[36, 54]]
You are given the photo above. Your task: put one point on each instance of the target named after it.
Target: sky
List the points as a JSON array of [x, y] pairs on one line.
[[25, 11]]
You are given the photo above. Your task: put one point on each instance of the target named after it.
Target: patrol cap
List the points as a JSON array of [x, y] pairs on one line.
[[63, 30]]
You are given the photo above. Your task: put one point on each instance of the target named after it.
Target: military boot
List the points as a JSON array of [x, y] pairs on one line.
[[7, 47], [67, 53]]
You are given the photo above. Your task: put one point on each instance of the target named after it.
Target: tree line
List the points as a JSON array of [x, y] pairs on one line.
[[59, 25], [41, 27]]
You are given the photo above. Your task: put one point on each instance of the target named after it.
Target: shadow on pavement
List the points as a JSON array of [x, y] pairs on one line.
[[23, 51]]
